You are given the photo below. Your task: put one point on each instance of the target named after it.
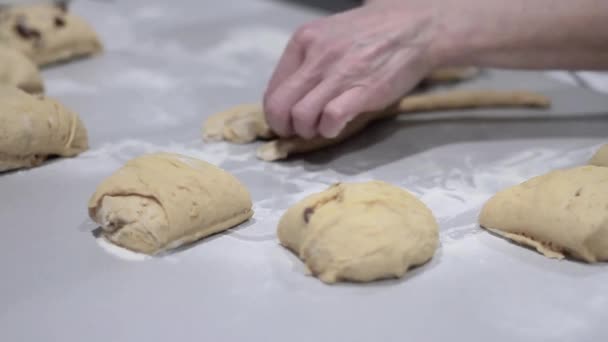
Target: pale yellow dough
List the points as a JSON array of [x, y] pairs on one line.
[[240, 124], [161, 201], [246, 123], [450, 75], [360, 232], [563, 212], [34, 127], [600, 158], [19, 71], [47, 34]]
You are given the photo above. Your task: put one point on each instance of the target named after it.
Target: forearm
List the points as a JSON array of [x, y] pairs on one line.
[[522, 33]]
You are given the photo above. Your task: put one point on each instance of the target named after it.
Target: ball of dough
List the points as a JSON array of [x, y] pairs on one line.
[[162, 201], [600, 158], [32, 128], [47, 33], [19, 71], [360, 232], [560, 213]]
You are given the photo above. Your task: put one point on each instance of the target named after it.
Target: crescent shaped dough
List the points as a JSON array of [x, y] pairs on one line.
[[360, 232], [560, 213], [47, 33], [600, 158], [19, 71], [161, 201], [32, 128]]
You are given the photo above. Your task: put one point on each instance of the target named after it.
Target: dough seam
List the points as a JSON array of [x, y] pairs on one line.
[[217, 227], [73, 125], [547, 249], [161, 201], [213, 224], [284, 147]]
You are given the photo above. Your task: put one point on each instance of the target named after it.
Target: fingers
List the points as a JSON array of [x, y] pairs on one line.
[[290, 61], [279, 104], [339, 111], [276, 117], [306, 113], [336, 68], [291, 80]]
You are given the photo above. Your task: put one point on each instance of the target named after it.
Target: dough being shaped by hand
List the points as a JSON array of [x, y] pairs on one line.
[[161, 201], [47, 33], [34, 127], [240, 124], [243, 124], [600, 158], [19, 71], [360, 232], [560, 213]]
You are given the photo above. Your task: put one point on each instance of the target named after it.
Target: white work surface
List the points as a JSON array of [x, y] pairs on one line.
[[168, 65]]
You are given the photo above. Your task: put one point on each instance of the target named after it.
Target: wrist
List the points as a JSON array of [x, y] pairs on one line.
[[453, 37]]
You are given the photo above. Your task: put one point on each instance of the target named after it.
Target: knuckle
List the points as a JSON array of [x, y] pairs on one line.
[[328, 49], [355, 67], [383, 89], [361, 63], [306, 34], [273, 107], [334, 113]]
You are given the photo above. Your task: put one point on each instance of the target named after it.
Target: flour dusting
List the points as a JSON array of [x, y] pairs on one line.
[[144, 79], [119, 252], [456, 194], [112, 156], [243, 47]]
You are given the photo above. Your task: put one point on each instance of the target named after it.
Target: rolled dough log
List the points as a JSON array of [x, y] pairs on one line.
[[34, 127], [162, 201], [283, 148], [600, 158], [47, 33], [243, 124], [450, 75], [246, 123], [19, 71], [560, 213], [360, 232]]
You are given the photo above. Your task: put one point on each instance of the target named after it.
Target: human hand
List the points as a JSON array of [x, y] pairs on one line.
[[338, 67]]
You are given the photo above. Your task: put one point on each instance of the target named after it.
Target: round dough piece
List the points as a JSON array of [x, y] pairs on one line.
[[19, 71], [360, 232], [47, 33], [161, 201], [600, 158], [560, 213], [34, 127]]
